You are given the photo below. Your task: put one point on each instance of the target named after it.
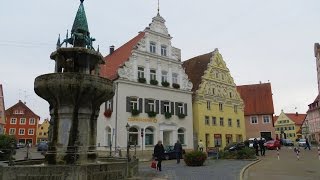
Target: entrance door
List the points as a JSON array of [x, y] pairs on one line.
[[266, 135], [166, 138]]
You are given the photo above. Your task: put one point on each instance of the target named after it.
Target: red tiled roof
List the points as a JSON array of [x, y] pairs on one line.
[[21, 104], [297, 118], [115, 60], [257, 99], [195, 68]]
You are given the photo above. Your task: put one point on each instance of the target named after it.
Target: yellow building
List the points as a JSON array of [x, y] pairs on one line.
[[42, 132], [288, 125], [218, 117]]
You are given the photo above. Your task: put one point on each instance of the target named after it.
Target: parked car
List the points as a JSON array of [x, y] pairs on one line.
[[252, 139], [42, 146], [169, 153], [273, 144], [234, 146], [287, 142], [21, 145], [302, 142]]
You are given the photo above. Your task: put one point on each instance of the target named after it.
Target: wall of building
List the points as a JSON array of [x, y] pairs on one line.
[[254, 130], [42, 132]]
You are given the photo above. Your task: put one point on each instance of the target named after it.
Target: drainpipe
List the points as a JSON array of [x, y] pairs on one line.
[[116, 123]]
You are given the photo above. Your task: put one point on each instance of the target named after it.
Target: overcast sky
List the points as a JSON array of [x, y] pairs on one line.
[[260, 40]]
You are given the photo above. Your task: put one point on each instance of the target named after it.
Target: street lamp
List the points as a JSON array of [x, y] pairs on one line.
[[128, 143]]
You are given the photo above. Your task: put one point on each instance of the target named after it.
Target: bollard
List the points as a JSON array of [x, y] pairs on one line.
[[319, 152], [278, 153], [298, 151]]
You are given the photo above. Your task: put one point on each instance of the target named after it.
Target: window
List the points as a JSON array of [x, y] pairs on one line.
[[229, 138], [266, 119], [220, 107], [238, 122], [181, 135], [208, 105], [175, 78], [217, 140], [15, 112], [230, 94], [254, 120], [32, 121], [13, 121], [292, 127], [213, 91], [166, 106], [30, 132], [229, 122], [206, 120], [22, 120], [21, 112], [12, 131], [140, 72], [152, 47], [21, 131], [133, 136], [40, 133], [163, 50], [164, 76], [153, 74], [44, 134], [221, 121], [180, 108], [134, 103], [214, 121], [108, 136], [285, 128], [149, 136], [289, 128], [239, 138], [235, 108], [41, 128], [151, 105]]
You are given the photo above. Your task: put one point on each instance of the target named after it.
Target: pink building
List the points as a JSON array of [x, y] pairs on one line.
[[258, 110]]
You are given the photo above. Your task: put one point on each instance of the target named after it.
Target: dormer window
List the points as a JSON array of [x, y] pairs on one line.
[[163, 50], [152, 47]]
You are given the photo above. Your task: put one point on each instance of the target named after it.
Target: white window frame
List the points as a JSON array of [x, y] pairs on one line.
[[134, 103], [235, 108], [221, 122], [152, 105], [167, 106], [164, 76], [153, 74], [12, 131], [207, 120], [230, 122], [163, 50], [238, 123], [180, 108], [20, 131], [182, 134], [109, 104], [214, 121], [153, 47], [16, 112], [29, 130], [175, 78], [25, 120], [220, 106], [208, 105], [21, 112], [141, 72], [30, 121], [266, 116], [13, 121], [252, 118]]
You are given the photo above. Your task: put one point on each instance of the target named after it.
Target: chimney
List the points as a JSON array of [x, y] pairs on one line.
[[111, 49]]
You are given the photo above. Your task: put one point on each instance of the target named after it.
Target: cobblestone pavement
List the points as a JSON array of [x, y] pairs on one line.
[[212, 170], [287, 168]]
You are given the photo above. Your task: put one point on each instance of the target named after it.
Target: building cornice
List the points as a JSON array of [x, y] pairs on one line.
[[156, 56]]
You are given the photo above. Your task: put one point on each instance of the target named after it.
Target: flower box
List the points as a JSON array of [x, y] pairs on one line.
[[135, 112], [175, 85], [152, 114], [153, 82], [142, 80], [181, 116], [165, 84], [108, 113], [167, 115]]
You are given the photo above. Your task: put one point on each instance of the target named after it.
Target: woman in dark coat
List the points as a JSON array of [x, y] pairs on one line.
[[158, 153]]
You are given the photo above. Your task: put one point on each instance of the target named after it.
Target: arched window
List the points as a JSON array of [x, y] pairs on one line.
[[181, 136], [108, 136], [149, 136], [133, 136]]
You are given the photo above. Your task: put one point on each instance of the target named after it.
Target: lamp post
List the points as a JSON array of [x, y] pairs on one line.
[[128, 143]]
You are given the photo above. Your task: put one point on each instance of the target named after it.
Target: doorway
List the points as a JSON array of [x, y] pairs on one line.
[[167, 138]]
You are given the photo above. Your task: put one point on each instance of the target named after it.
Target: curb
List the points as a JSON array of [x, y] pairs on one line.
[[246, 167]]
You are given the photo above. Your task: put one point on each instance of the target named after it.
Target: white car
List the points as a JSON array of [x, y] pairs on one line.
[[252, 139], [302, 142]]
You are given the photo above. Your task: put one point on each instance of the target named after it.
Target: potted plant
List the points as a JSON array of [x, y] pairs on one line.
[[165, 83], [175, 85], [167, 115], [152, 114], [142, 80], [195, 158], [153, 82], [108, 113], [181, 116], [135, 112]]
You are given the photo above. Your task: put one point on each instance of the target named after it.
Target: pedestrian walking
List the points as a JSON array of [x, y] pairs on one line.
[[262, 147], [256, 146], [200, 145], [178, 150], [307, 144], [158, 152]]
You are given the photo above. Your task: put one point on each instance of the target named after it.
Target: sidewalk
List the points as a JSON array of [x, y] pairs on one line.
[[287, 168]]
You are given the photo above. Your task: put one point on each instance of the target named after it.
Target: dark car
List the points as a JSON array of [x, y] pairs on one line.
[[42, 146], [235, 146], [169, 153]]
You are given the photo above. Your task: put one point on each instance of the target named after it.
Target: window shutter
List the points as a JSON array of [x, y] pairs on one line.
[[128, 104], [185, 109], [111, 104], [157, 106], [172, 108], [177, 109], [146, 107], [162, 107], [140, 105]]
